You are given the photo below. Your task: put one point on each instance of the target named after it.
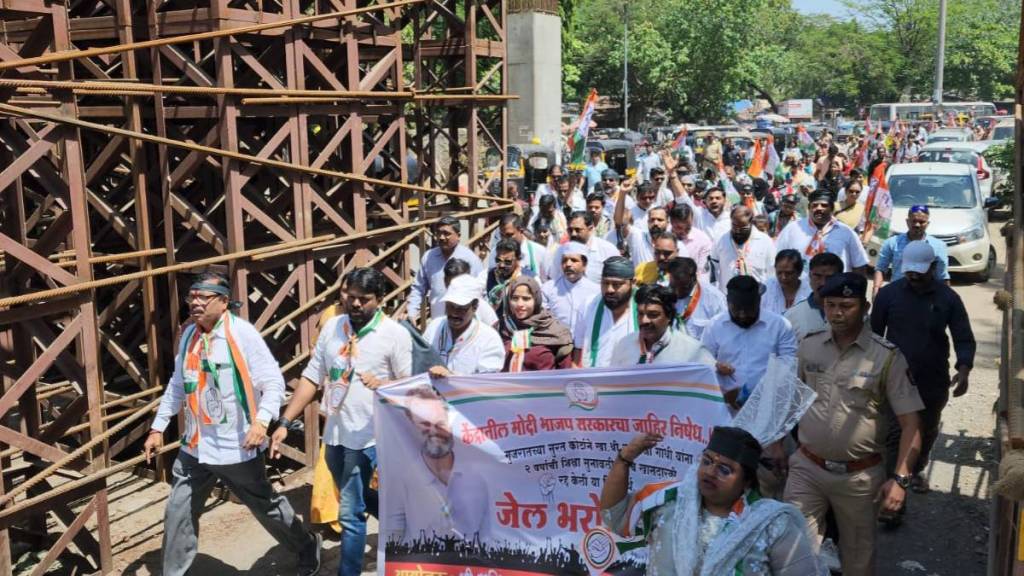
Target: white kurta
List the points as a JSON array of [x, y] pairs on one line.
[[597, 319], [479, 350]]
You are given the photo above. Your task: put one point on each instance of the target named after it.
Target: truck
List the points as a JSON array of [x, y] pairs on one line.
[[798, 109]]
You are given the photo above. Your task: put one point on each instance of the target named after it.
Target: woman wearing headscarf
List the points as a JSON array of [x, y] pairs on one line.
[[534, 339]]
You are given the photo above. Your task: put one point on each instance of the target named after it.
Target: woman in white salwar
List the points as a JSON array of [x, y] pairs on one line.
[[714, 522]]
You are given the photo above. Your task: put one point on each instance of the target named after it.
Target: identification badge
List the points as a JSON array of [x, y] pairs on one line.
[[336, 395], [213, 404]]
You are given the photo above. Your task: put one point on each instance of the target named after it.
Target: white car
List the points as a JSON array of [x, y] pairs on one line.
[[959, 215], [951, 135], [1002, 131], [968, 153]]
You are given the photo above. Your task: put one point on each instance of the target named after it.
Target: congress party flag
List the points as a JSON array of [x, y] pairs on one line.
[[578, 143]]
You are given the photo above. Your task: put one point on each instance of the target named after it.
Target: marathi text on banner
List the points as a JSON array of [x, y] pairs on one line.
[[503, 473]]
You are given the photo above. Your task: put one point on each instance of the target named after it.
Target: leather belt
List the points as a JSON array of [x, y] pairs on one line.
[[847, 467]]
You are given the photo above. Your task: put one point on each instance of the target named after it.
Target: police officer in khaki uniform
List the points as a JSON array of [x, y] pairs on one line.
[[842, 436]]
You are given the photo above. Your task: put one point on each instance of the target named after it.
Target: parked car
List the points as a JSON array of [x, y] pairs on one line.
[[1002, 131], [959, 215]]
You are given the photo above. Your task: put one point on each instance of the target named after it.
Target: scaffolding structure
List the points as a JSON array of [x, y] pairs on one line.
[[287, 140]]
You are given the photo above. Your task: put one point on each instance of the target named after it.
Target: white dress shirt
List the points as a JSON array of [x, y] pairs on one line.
[[598, 250], [806, 319], [599, 354], [221, 442], [774, 300], [759, 255], [674, 347], [747, 349], [385, 352], [565, 299], [641, 246], [707, 222], [479, 350], [711, 303], [430, 279], [841, 240]]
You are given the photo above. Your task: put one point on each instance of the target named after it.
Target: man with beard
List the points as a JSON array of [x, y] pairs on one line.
[[712, 217], [778, 220], [612, 188], [581, 230], [666, 249], [858, 377], [567, 295], [822, 232], [698, 244], [890, 257], [354, 354], [745, 251], [808, 315], [430, 277], [230, 387], [533, 260], [697, 301], [639, 236], [743, 340], [914, 313], [658, 341], [507, 256], [607, 320], [465, 344], [442, 500]]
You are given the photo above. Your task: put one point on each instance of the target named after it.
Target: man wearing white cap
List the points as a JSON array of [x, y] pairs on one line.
[[581, 230], [466, 345], [567, 294], [914, 313]]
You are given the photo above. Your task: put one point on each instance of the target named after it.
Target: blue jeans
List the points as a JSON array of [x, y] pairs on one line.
[[352, 470]]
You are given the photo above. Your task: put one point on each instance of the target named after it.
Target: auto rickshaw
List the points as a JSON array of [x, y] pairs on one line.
[[528, 166], [619, 155]]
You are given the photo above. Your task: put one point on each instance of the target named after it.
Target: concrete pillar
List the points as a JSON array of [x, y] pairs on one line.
[[535, 72]]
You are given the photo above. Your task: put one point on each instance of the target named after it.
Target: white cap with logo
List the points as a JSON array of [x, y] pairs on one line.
[[463, 290]]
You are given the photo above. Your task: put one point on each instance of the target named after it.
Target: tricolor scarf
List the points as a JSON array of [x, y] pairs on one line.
[[648, 356], [694, 301], [741, 256], [595, 333], [339, 379], [196, 367], [817, 244], [518, 345], [449, 347]]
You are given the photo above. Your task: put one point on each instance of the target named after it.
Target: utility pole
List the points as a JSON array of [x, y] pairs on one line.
[[625, 67], [940, 57]]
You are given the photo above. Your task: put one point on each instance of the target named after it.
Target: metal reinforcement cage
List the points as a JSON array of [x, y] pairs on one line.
[[285, 140]]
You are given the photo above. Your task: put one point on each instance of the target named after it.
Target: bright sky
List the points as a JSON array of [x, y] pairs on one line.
[[833, 7]]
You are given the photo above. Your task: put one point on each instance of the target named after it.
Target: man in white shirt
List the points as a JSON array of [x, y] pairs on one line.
[[355, 353], [787, 287], [567, 295], [444, 500], [743, 340], [581, 229], [608, 319], [466, 345], [658, 341], [225, 428], [808, 315], [430, 276], [697, 301], [744, 251], [713, 217], [612, 189], [663, 194], [648, 160], [698, 244], [822, 232], [533, 257], [455, 268]]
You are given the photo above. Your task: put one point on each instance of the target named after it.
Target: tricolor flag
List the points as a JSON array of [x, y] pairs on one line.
[[803, 137], [578, 144], [680, 139], [878, 206], [756, 167]]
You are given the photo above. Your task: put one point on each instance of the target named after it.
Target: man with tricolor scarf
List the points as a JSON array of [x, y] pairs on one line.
[[822, 232], [229, 387], [354, 354]]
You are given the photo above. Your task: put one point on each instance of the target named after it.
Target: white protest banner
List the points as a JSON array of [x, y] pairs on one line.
[[501, 474]]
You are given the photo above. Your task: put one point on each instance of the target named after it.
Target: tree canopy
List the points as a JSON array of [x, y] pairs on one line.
[[691, 58]]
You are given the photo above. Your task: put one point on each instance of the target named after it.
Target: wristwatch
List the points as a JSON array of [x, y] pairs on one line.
[[902, 481], [284, 422]]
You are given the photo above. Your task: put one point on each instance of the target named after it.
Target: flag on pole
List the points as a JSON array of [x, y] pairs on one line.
[[680, 139], [804, 138], [756, 168], [878, 206], [578, 143]]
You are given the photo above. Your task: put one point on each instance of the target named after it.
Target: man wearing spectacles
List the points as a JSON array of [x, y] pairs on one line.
[[229, 387], [430, 277], [890, 257]]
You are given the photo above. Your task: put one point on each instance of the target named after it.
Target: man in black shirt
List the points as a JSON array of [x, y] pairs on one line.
[[913, 313]]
